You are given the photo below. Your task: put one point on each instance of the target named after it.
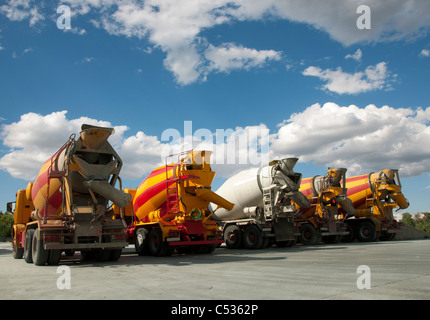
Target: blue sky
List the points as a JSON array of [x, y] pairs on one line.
[[326, 91]]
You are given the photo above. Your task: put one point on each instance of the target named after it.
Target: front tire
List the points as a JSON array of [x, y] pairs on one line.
[[17, 253], [141, 241]]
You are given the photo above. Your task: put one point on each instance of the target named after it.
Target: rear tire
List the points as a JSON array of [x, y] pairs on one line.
[[233, 237], [350, 236], [40, 255], [308, 234], [28, 255], [156, 245], [366, 231], [54, 257], [252, 237], [115, 254]]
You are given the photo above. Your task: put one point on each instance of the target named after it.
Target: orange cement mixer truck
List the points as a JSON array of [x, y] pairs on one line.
[[170, 208], [322, 220], [68, 207], [374, 196]]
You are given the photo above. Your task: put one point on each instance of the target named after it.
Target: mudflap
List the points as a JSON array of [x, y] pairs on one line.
[[284, 229]]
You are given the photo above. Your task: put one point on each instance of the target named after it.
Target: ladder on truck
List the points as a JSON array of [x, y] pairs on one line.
[[54, 173], [268, 202], [172, 183]]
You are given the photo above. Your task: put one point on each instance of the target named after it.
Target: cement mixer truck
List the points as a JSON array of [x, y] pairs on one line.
[[374, 196], [322, 220], [68, 207], [264, 206], [170, 208]]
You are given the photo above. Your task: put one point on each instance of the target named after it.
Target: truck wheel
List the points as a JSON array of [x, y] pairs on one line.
[[54, 257], [266, 242], [141, 241], [115, 254], [233, 236], [156, 245], [102, 254], [350, 236], [252, 237], [366, 231], [40, 255], [17, 253], [308, 234], [28, 256]]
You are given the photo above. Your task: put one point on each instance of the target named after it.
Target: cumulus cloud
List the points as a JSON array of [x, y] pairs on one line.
[[390, 20], [176, 27], [425, 53], [359, 139], [230, 56], [18, 10], [35, 138], [355, 56], [372, 78]]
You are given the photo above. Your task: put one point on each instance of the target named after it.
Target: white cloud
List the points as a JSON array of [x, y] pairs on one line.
[[85, 60], [24, 52], [35, 138], [355, 56], [176, 27], [425, 53], [359, 139], [390, 20], [18, 10], [372, 78], [230, 56], [76, 30]]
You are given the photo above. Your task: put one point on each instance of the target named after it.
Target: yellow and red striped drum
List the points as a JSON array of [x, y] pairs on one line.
[[187, 184], [359, 190], [308, 190], [47, 204], [152, 192]]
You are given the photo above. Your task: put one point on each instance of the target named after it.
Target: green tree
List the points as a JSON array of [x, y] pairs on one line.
[[6, 221], [422, 221], [408, 219]]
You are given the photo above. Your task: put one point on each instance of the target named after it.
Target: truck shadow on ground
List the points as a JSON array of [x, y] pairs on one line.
[[5, 251], [221, 255]]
